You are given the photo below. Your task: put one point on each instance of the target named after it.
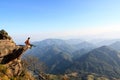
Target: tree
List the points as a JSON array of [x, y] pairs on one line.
[[33, 64]]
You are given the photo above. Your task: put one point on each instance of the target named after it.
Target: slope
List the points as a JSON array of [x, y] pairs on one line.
[[103, 61]]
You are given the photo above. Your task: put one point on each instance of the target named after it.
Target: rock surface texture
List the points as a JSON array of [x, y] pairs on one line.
[[10, 55]]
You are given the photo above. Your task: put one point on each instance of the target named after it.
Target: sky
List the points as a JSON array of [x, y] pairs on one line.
[[64, 19]]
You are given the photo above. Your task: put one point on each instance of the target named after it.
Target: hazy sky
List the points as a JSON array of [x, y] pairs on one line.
[[41, 19]]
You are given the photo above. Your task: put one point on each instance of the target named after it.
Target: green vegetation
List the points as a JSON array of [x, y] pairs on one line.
[[5, 74], [3, 69], [24, 76]]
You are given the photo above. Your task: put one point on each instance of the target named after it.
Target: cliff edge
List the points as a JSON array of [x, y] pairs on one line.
[[10, 57]]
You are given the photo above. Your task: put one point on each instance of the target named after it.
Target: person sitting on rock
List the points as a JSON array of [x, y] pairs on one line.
[[27, 42]]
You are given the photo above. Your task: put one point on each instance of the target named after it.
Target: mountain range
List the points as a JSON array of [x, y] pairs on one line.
[[63, 57]]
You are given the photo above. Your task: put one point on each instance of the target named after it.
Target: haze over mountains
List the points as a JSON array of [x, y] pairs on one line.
[[66, 56]]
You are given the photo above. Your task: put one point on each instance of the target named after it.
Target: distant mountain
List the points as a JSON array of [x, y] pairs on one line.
[[55, 53], [58, 45], [62, 57], [50, 46], [82, 48], [105, 42], [116, 45], [58, 64], [74, 41], [103, 61], [85, 45], [58, 54], [80, 52]]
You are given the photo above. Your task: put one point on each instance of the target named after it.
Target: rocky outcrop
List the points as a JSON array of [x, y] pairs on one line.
[[4, 35], [9, 51], [10, 55]]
